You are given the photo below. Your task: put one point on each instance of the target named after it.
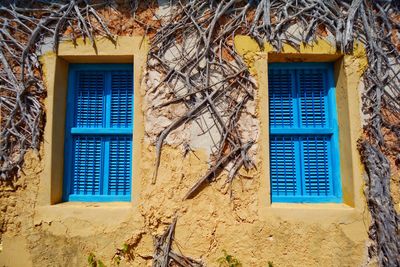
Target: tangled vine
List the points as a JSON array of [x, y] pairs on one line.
[[206, 75]]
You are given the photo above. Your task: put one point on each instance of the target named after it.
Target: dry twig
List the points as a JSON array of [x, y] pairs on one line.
[[164, 256], [201, 34]]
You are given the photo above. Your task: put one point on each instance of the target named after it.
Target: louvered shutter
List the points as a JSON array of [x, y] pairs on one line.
[[121, 146], [119, 181], [87, 165], [99, 133], [281, 100], [283, 148], [303, 148], [316, 150], [316, 165], [283, 166], [121, 99], [313, 97], [89, 99]]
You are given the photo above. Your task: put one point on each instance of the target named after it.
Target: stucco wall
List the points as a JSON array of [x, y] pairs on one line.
[[38, 230]]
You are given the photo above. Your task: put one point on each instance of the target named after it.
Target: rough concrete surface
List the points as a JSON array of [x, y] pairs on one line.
[[219, 218], [212, 221]]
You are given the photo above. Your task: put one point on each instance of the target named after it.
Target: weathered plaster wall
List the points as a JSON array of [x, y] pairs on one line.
[[36, 230]]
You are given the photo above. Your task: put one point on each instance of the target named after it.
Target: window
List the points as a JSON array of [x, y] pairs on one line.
[[304, 154], [98, 139]]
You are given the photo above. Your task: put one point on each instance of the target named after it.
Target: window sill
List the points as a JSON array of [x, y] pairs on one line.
[[87, 215], [324, 213], [331, 199], [312, 206], [78, 204], [98, 198]]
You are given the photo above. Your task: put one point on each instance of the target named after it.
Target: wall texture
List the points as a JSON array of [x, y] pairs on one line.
[[37, 230]]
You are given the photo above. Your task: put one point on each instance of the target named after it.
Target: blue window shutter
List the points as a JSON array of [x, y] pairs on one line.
[[98, 147], [284, 171], [304, 161], [313, 94], [281, 98], [90, 99], [121, 99], [86, 165], [316, 165], [119, 181]]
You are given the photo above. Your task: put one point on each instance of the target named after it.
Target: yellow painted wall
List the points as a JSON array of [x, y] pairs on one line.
[[245, 224]]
